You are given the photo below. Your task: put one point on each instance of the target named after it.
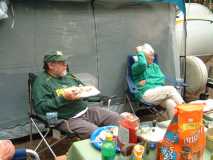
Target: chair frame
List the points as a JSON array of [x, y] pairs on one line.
[[23, 154], [36, 118], [132, 89]]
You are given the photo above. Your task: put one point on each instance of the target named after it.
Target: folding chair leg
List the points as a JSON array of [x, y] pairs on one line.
[[109, 103], [48, 131], [130, 104], [53, 143], [158, 112], [54, 155], [31, 134]]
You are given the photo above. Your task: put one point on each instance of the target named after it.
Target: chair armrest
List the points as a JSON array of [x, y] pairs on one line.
[[175, 82], [180, 83], [21, 154], [43, 119], [39, 118], [133, 89], [101, 98], [93, 98]]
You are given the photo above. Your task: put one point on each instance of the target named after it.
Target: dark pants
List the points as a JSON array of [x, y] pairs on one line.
[[89, 121]]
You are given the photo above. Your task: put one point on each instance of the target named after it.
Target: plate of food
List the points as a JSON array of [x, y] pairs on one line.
[[84, 91], [99, 135], [88, 91]]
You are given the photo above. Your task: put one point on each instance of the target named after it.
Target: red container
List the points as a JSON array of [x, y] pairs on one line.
[[128, 126]]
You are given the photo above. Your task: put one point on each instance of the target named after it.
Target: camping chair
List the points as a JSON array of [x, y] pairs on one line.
[[50, 125], [22, 154], [132, 90]]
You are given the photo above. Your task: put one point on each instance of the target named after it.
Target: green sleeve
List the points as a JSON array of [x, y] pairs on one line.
[[45, 100], [139, 66], [159, 78], [157, 81]]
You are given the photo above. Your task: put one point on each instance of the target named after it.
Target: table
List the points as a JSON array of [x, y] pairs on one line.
[[83, 150]]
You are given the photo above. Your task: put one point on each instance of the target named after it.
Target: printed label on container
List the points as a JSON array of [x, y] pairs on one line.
[[123, 135]]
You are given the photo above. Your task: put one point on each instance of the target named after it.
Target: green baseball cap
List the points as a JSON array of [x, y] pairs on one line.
[[54, 56]]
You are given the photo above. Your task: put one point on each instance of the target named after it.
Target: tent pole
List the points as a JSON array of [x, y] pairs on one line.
[[185, 43]]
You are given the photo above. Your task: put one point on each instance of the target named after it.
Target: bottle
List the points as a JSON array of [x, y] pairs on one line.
[[152, 145], [52, 117], [186, 153], [137, 152], [108, 148], [125, 152]]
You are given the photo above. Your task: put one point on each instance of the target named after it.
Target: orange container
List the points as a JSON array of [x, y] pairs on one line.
[[186, 129], [190, 126], [190, 117]]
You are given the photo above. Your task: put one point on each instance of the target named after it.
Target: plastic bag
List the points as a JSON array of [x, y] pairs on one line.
[[3, 10]]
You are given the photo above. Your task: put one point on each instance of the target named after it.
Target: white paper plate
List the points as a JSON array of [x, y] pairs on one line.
[[88, 91], [153, 134]]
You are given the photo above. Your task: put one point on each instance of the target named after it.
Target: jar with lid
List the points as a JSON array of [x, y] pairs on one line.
[[186, 153]]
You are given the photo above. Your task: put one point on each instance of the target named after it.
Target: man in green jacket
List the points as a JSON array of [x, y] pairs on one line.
[[50, 94], [151, 81]]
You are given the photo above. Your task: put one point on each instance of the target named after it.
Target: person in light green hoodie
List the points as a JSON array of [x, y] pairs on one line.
[[150, 81], [51, 93]]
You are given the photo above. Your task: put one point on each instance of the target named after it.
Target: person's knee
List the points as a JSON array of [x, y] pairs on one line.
[[171, 88], [85, 132], [111, 118], [115, 118], [147, 98]]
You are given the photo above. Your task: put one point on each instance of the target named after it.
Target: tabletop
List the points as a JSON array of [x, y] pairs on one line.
[[83, 150]]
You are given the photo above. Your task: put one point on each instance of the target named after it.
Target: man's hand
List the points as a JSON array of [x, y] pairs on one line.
[[7, 150], [142, 82], [71, 94]]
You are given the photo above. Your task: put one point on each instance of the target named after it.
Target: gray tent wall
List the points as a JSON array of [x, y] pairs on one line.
[[120, 30], [98, 43]]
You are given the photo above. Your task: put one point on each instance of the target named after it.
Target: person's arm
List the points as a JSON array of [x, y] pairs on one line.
[[159, 77], [157, 81], [139, 66], [71, 93], [47, 100], [7, 150]]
